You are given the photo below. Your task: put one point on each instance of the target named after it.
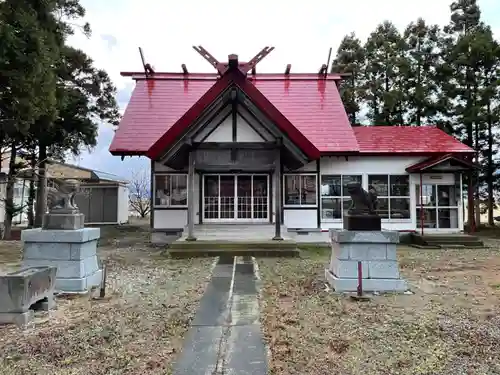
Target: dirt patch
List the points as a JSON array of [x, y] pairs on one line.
[[451, 325], [137, 329]]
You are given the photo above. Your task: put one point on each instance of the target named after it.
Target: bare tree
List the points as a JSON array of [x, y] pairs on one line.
[[140, 193]]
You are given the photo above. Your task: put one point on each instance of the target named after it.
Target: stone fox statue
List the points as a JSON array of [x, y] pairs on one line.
[[362, 201], [63, 195]]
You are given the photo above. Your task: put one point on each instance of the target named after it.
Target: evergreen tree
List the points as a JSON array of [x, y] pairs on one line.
[[86, 96], [487, 54], [385, 69], [459, 83], [351, 59], [422, 55], [28, 50]]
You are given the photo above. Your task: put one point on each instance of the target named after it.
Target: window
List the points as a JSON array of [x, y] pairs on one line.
[[171, 190], [335, 200], [393, 194], [300, 190], [437, 206]]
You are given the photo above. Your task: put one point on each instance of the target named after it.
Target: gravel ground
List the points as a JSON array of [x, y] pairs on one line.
[[137, 328], [451, 325]]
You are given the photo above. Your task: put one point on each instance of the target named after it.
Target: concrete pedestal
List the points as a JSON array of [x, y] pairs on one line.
[[377, 252], [73, 252]]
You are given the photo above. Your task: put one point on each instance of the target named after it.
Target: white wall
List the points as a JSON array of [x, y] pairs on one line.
[[2, 197], [386, 165], [123, 204], [302, 218], [174, 218]]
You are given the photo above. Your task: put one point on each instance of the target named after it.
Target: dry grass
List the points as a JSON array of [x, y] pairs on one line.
[[137, 329], [451, 325]]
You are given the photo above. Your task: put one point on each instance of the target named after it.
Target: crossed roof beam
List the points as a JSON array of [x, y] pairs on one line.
[[223, 67]]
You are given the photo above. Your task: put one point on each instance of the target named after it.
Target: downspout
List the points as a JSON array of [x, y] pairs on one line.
[[421, 207]]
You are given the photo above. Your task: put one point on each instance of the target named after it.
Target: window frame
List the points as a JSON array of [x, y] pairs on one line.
[[153, 193], [341, 197], [300, 205], [389, 196]]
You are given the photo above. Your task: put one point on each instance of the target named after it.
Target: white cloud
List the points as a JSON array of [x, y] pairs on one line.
[[301, 31]]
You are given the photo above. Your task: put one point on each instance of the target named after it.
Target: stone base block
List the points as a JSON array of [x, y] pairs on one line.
[[19, 319], [73, 252], [79, 285], [60, 236], [67, 221], [362, 222], [369, 285]]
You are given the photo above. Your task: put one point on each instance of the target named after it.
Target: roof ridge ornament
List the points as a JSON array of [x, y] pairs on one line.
[[148, 69], [233, 60]]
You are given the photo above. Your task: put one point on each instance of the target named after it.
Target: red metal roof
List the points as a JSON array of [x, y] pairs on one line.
[[315, 108], [407, 139], [309, 109], [153, 108], [303, 103], [436, 160], [233, 76]]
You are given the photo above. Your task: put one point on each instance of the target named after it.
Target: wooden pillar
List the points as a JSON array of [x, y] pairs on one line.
[[279, 191], [190, 198]]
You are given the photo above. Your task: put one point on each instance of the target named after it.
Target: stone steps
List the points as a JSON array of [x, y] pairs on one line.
[[200, 248], [446, 240]]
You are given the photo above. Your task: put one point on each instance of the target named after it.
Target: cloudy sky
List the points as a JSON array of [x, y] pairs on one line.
[[301, 32]]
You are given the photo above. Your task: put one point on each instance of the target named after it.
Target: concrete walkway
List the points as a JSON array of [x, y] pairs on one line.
[[225, 337]]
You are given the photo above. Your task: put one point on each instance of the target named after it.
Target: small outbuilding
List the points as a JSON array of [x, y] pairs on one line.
[[104, 197]]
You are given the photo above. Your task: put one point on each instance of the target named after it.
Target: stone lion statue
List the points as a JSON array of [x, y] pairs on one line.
[[363, 202], [63, 195]]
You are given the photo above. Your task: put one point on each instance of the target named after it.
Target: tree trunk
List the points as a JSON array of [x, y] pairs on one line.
[[490, 169], [9, 195], [31, 193], [419, 88], [477, 181], [41, 199], [469, 141]]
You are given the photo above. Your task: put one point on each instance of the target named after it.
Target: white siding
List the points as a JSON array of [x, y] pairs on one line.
[[123, 204]]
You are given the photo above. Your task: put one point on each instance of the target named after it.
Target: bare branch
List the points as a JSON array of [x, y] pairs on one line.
[[140, 193]]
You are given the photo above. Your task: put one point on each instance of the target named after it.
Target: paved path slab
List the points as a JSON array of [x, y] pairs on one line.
[[226, 337]]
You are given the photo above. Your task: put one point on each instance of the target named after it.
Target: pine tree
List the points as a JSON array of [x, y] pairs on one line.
[[487, 51], [86, 96], [422, 55], [27, 81], [384, 73], [459, 84], [351, 59]]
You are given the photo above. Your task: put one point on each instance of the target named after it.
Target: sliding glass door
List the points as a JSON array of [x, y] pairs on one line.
[[235, 198], [438, 208]]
